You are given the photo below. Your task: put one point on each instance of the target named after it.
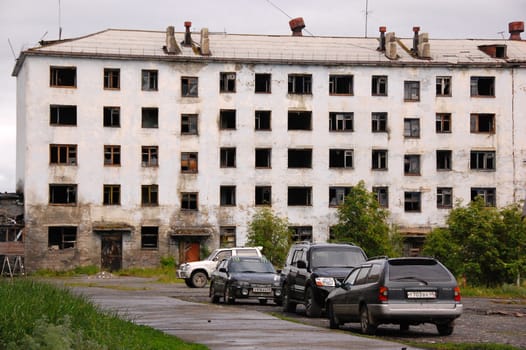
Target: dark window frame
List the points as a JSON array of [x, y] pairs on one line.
[[382, 195], [412, 165], [227, 196], [62, 154], [150, 195], [412, 128], [412, 201], [111, 194], [262, 83], [341, 158], [63, 76], [63, 115], [189, 201], [227, 157], [444, 197], [63, 237], [444, 160], [489, 194], [263, 158], [294, 193], [482, 86], [149, 237], [411, 90], [227, 119], [63, 194], [189, 86], [263, 195], [112, 155], [299, 120], [482, 123], [443, 123], [227, 82], [483, 160], [112, 79], [341, 84], [379, 159], [378, 122], [337, 195], [300, 84], [379, 85], [443, 86], [149, 156], [149, 80], [341, 121], [111, 116], [189, 124], [150, 117], [263, 120], [299, 158], [189, 162]]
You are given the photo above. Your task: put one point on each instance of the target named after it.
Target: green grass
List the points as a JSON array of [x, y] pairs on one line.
[[37, 315], [504, 291]]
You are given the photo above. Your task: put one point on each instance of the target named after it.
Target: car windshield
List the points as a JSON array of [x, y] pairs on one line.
[[417, 270], [252, 266], [336, 257]]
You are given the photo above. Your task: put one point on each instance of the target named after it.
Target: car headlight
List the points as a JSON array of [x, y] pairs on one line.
[[325, 282], [184, 267]]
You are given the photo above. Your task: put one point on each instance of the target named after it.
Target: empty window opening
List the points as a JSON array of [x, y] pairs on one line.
[[150, 156], [444, 197], [300, 158], [112, 155], [482, 160], [341, 121], [337, 195], [495, 51], [263, 157], [189, 124], [341, 84], [262, 82], [483, 86], [189, 162], [341, 158], [112, 195], [262, 120], [482, 123], [62, 115], [149, 237], [150, 117], [112, 78], [62, 237], [379, 159], [300, 83], [62, 194], [227, 82], [227, 237], [488, 194], [412, 127], [63, 76], [379, 121], [63, 154], [382, 195], [227, 157], [299, 196], [149, 80], [412, 201], [189, 201], [379, 85], [412, 164], [443, 86], [444, 160], [300, 120], [112, 116], [149, 194], [227, 119], [189, 86], [263, 195], [443, 123], [411, 91], [301, 233], [228, 195]]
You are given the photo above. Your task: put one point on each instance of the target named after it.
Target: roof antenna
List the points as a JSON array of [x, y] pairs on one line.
[[11, 46], [366, 15], [59, 22]]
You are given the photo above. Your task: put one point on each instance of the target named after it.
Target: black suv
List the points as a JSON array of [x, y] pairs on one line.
[[311, 271]]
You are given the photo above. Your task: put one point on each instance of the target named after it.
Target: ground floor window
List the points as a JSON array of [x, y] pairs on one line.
[[62, 237]]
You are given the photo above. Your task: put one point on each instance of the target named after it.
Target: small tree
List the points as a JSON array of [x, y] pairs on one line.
[[272, 233]]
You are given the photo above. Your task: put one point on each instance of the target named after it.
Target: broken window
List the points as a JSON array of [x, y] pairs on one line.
[[443, 86], [379, 121], [189, 162], [341, 121], [301, 233], [379, 159], [263, 195], [300, 83], [299, 196], [189, 86], [443, 123], [341, 158], [412, 201], [62, 115], [444, 197], [149, 237], [300, 120], [482, 123], [300, 158], [150, 117], [62, 237], [340, 84], [262, 82], [411, 90], [263, 157], [227, 157], [112, 155], [379, 85], [262, 120], [412, 164], [63, 77], [112, 78], [412, 127], [337, 195], [488, 194], [149, 80], [482, 160], [112, 195], [62, 194], [112, 116], [227, 195], [227, 82], [444, 160], [150, 156], [149, 194], [382, 195], [63, 154], [227, 119], [227, 237], [482, 86], [189, 124], [189, 201]]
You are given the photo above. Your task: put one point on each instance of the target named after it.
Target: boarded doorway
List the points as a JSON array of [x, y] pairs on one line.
[[111, 252]]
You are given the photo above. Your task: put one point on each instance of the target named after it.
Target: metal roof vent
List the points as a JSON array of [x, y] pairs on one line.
[[515, 29], [297, 25]]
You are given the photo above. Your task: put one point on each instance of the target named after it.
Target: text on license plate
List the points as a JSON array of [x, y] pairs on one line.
[[262, 290], [421, 294]]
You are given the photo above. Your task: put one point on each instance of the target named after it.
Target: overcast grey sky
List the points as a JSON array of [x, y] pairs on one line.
[[24, 22]]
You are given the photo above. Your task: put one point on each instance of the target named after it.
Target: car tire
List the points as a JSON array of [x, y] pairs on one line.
[[445, 328], [312, 308], [188, 282], [213, 297], [287, 305], [366, 324], [334, 323], [228, 297], [199, 279]]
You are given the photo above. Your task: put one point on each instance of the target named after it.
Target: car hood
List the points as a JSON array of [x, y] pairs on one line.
[[336, 272], [254, 277]]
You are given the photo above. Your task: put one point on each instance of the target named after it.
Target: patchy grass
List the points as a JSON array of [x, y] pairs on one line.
[[504, 291]]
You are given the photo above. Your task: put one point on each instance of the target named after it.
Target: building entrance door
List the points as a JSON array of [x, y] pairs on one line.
[[189, 251], [111, 251]]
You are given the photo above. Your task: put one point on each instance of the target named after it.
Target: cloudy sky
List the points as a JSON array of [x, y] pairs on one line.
[[25, 22]]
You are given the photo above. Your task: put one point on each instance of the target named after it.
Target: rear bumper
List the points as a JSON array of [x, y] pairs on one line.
[[417, 313]]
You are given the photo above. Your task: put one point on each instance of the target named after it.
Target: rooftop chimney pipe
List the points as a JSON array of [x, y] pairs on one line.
[[415, 39], [515, 29], [297, 25], [187, 36], [382, 29]]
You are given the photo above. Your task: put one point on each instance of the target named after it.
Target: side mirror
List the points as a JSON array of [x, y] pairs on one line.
[[301, 264], [345, 286], [222, 269], [337, 283]]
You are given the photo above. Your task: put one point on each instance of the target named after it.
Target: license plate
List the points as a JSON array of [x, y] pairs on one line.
[[422, 294], [262, 290]]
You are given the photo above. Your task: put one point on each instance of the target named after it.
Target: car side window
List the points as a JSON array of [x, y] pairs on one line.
[[298, 255], [352, 277], [374, 274], [223, 255], [246, 252], [362, 275]]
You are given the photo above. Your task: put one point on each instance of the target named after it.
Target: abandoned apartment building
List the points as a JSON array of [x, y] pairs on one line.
[[134, 145]]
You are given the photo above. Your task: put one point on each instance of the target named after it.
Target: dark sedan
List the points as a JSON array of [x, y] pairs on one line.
[[244, 278]]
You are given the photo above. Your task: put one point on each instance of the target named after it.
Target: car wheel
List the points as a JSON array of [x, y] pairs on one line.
[[199, 279], [312, 308], [334, 323], [366, 324], [213, 297], [228, 297], [188, 282], [445, 328], [287, 305], [263, 301]]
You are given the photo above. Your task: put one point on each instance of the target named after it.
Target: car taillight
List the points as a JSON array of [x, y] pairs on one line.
[[456, 295], [383, 294]]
